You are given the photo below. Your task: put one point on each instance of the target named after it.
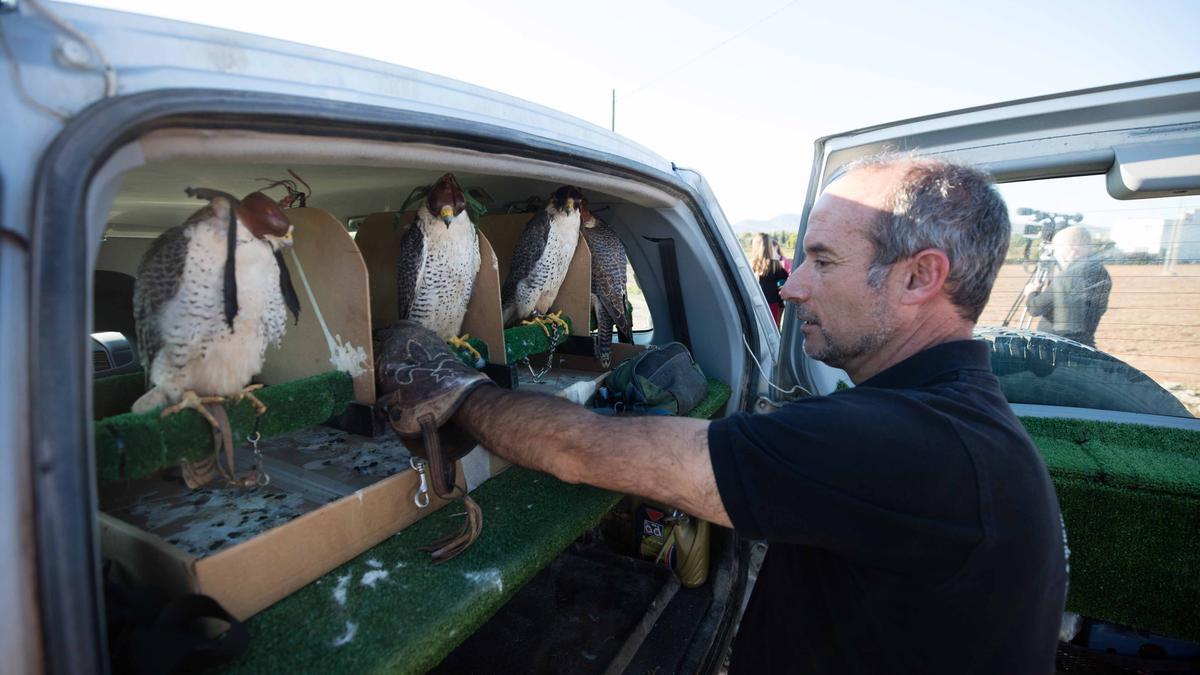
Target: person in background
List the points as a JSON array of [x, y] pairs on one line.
[[1078, 291], [769, 270], [777, 251]]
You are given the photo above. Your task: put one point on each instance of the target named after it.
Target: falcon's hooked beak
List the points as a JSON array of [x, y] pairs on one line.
[[447, 215], [570, 204]]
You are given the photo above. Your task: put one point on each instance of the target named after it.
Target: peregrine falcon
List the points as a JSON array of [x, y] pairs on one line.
[[541, 257], [437, 263], [210, 295], [608, 284]]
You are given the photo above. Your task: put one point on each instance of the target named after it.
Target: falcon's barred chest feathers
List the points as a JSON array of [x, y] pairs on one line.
[[609, 262], [191, 336], [541, 257], [438, 261]]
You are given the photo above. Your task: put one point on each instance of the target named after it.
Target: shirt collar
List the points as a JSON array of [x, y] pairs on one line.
[[932, 363]]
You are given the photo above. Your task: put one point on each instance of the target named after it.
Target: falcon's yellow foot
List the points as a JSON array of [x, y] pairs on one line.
[[536, 321], [259, 407], [556, 317], [196, 402], [461, 343], [545, 321]]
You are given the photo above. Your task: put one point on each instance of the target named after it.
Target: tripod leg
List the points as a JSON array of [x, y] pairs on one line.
[[1022, 301]]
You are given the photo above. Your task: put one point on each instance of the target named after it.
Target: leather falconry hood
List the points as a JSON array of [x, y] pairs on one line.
[[446, 192], [262, 216]]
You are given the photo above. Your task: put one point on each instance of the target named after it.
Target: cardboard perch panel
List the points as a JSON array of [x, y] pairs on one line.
[[335, 333], [378, 239], [251, 548], [574, 296]]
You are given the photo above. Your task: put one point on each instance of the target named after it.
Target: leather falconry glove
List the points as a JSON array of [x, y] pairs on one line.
[[421, 385]]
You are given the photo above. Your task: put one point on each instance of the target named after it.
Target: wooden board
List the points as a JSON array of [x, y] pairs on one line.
[[337, 279]]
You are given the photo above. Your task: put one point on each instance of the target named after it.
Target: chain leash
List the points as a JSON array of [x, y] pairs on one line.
[[553, 336]]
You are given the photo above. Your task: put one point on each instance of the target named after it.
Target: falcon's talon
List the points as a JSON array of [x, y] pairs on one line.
[[556, 318], [549, 323], [539, 321], [461, 343], [196, 402], [259, 407]]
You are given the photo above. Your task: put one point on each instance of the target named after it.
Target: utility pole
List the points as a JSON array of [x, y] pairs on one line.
[[614, 110]]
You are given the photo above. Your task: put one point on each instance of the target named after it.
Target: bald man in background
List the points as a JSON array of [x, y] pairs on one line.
[[1078, 291]]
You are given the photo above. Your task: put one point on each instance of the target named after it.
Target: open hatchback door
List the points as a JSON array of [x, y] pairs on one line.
[[1112, 407]]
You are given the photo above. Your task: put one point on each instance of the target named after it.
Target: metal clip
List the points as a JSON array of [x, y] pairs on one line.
[[421, 498], [261, 478]]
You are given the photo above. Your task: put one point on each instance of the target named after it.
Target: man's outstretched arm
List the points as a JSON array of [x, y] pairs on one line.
[[661, 458]]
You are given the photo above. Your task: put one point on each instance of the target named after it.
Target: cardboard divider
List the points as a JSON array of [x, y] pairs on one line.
[[574, 296], [378, 238], [339, 337], [252, 574]]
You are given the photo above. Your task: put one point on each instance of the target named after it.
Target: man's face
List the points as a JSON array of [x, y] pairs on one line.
[[845, 318]]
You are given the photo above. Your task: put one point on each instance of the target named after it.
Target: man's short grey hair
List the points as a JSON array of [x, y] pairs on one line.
[[944, 205]]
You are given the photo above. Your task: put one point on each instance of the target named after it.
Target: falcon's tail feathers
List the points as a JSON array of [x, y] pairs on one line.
[[623, 320]]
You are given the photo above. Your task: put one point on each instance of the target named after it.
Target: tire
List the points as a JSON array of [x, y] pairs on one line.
[[1047, 369]]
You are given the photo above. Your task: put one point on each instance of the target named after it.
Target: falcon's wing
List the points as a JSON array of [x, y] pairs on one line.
[[613, 295], [158, 279], [609, 261], [410, 263], [623, 321], [528, 251]]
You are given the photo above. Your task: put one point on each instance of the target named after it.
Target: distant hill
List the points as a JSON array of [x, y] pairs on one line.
[[786, 222]]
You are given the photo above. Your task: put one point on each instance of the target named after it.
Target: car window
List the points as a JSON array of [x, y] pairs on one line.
[[637, 300], [1098, 302]]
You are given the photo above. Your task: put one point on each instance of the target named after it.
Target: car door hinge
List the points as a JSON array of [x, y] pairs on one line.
[[765, 405]]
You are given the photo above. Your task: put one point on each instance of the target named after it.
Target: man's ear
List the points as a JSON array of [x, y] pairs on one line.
[[925, 276]]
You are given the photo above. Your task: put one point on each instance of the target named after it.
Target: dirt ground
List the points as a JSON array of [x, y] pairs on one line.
[[1152, 322]]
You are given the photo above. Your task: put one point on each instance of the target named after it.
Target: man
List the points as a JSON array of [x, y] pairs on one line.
[[912, 524], [1079, 288]]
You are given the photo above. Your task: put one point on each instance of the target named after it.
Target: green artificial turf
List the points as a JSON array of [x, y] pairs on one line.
[[410, 620], [716, 396], [466, 357], [403, 614], [133, 445], [1130, 498], [523, 341]]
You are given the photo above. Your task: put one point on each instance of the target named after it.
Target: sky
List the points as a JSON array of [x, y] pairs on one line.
[[739, 90]]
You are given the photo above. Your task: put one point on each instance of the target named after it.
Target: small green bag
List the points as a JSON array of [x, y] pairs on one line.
[[659, 381]]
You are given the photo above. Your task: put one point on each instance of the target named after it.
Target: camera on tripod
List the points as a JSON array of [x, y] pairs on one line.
[[1044, 226]]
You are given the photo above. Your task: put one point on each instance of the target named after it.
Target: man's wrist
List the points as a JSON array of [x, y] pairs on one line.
[[477, 403]]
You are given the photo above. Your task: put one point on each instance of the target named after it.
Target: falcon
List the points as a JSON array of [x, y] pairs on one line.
[[437, 263], [210, 295], [608, 284], [541, 257]]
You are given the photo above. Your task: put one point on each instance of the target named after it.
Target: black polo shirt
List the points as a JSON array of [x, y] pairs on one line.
[[912, 526]]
